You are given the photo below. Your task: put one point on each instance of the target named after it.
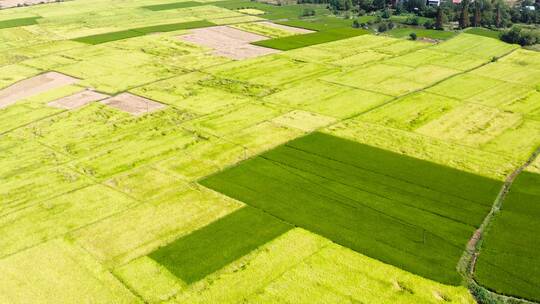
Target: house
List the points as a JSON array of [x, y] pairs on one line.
[[434, 2]]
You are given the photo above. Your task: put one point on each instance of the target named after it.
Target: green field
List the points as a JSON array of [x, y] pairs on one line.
[[366, 199], [484, 32], [18, 22], [349, 167], [136, 32], [299, 41], [508, 261], [404, 32], [209, 249], [171, 6]]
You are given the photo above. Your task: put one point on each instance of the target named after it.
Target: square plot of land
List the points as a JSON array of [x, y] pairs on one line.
[[77, 100], [133, 104], [33, 86], [228, 42]]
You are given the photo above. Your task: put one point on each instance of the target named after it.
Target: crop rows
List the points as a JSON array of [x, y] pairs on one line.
[[403, 211], [508, 261]]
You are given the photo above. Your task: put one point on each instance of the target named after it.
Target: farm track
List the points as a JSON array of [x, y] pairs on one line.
[[467, 262]]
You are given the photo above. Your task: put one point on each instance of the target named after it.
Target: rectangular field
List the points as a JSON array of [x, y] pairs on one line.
[[400, 210], [204, 251], [299, 41]]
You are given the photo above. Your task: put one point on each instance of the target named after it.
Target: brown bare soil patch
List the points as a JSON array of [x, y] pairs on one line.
[[228, 42], [77, 100], [133, 104], [33, 86], [287, 28]]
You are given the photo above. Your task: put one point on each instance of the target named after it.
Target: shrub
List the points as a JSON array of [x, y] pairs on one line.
[[413, 20], [308, 12], [386, 14], [521, 36], [429, 24], [413, 36], [383, 27]]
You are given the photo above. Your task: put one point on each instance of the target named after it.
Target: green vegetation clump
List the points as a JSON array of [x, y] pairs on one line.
[[403, 211]]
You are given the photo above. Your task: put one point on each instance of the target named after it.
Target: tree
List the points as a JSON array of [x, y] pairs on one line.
[[379, 4], [347, 5], [498, 14], [477, 14], [464, 21], [439, 21], [413, 36], [429, 24]]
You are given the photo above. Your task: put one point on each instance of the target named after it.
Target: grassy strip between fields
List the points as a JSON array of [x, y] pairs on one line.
[[18, 22], [299, 41], [509, 260], [171, 6], [403, 211], [483, 32], [113, 36], [204, 251], [404, 32]]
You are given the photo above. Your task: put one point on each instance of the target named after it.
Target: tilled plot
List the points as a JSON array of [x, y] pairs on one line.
[[33, 86], [133, 104], [77, 100], [229, 42]]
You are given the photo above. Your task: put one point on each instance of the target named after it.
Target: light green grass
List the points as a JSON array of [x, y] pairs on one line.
[[94, 190]]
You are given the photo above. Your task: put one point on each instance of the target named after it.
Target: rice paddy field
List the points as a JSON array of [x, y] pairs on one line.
[[232, 152]]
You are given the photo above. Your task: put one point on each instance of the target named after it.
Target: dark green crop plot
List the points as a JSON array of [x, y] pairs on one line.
[[170, 6], [404, 32], [108, 37], [480, 31], [298, 41], [404, 211], [204, 251], [174, 27], [18, 22], [320, 23], [509, 261], [141, 31], [273, 12]]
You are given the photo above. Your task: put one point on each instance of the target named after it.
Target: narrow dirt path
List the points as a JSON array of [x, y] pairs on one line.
[[468, 260]]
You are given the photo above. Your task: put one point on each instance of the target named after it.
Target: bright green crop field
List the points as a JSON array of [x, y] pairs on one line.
[[235, 152], [509, 261]]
